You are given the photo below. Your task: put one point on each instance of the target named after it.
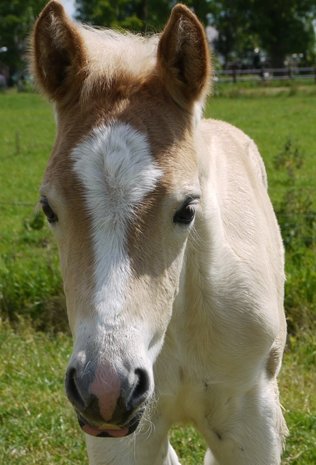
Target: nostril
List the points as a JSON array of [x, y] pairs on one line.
[[72, 389], [141, 388]]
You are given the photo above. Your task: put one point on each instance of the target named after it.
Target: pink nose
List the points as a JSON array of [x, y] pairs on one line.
[[105, 399], [106, 387]]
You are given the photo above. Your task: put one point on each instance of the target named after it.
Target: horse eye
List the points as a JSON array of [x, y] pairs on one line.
[[186, 213], [48, 211]]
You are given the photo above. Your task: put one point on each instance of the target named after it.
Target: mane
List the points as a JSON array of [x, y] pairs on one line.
[[113, 55]]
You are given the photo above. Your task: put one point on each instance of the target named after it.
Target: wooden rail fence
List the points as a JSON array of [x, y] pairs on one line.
[[265, 74]]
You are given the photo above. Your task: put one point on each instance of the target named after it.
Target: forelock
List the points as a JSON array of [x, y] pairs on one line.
[[115, 55]]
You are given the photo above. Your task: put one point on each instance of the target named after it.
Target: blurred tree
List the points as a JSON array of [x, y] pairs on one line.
[[136, 15], [232, 23], [280, 27], [97, 12], [16, 20], [284, 26]]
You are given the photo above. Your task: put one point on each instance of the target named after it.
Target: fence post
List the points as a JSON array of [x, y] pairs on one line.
[[262, 74], [234, 74]]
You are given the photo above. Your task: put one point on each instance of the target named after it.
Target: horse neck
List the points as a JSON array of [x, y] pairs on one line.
[[191, 303], [190, 323]]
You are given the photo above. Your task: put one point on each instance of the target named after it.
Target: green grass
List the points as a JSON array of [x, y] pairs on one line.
[[29, 278], [27, 130], [37, 425]]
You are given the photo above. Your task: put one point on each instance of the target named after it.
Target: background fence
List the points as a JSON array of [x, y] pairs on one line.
[[266, 74]]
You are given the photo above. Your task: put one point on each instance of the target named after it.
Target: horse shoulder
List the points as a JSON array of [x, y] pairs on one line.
[[246, 263], [227, 133]]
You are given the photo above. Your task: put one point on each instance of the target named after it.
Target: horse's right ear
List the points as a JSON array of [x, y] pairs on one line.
[[58, 54]]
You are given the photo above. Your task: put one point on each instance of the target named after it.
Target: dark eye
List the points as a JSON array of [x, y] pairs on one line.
[[186, 213], [48, 211]]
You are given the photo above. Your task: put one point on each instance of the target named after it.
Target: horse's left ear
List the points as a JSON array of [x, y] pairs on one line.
[[183, 57]]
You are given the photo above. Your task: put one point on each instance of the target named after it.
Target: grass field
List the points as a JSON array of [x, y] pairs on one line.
[[37, 425]]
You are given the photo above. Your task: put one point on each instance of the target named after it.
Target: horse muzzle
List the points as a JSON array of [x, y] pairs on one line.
[[108, 402]]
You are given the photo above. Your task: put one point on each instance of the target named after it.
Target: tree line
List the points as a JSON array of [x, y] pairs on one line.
[[278, 27]]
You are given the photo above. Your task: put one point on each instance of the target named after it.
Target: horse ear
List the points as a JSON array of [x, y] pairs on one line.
[[183, 57], [58, 55]]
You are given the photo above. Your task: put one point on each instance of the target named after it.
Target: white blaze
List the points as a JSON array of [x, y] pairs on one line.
[[117, 170]]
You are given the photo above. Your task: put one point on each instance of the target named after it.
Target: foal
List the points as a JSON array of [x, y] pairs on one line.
[[171, 255]]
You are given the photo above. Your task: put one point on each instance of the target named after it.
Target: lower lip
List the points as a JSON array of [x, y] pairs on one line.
[[114, 433]]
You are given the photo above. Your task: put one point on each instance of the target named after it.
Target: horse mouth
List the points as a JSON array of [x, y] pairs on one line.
[[108, 430]]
